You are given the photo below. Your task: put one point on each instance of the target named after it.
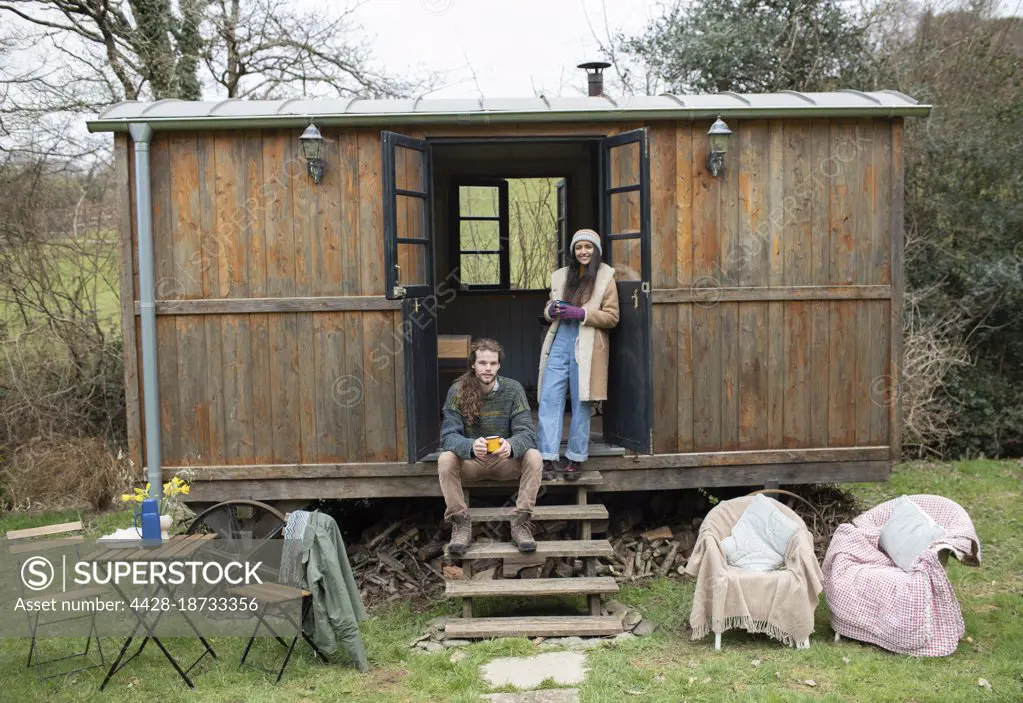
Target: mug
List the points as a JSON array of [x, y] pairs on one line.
[[493, 444]]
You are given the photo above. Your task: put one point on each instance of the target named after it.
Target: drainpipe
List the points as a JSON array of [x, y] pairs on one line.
[[141, 134]]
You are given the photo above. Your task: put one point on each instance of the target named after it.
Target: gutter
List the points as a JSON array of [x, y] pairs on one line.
[[141, 134], [484, 118]]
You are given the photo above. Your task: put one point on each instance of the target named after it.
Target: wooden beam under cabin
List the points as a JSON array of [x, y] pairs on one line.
[[639, 480], [400, 470]]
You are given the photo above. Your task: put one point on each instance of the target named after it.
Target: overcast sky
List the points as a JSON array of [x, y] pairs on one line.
[[514, 47]]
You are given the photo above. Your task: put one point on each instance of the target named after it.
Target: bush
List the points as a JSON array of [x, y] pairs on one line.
[[60, 473]]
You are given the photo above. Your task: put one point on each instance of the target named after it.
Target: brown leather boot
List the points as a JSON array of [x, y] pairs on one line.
[[461, 534], [522, 532], [551, 469]]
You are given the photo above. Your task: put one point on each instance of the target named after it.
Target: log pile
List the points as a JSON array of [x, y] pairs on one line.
[[401, 553], [398, 561], [403, 559]]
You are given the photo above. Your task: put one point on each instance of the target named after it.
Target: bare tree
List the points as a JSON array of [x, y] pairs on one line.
[[113, 50]]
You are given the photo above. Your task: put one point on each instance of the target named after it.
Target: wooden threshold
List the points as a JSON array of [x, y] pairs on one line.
[[552, 626], [596, 449], [542, 512], [531, 587], [549, 548]]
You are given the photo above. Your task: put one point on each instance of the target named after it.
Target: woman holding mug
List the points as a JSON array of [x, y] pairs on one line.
[[582, 307]]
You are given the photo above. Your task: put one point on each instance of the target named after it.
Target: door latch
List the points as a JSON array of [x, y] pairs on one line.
[[635, 298], [398, 291]]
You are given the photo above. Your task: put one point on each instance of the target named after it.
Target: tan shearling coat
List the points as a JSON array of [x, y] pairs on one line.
[[592, 349]]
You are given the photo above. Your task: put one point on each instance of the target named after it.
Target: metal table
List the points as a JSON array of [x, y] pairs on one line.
[[173, 549]]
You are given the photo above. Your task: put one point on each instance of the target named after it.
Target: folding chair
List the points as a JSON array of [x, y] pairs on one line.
[[272, 598], [70, 534]]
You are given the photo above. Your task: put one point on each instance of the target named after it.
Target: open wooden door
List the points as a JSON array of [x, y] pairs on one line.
[[561, 191], [408, 258], [625, 211]]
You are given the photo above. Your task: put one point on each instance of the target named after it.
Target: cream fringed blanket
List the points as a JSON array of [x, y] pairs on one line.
[[779, 603]]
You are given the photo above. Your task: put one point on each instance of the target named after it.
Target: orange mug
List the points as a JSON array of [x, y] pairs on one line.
[[493, 444]]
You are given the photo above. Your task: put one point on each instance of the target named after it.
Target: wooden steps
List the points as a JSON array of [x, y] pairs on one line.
[[531, 587], [552, 626], [550, 548], [583, 548], [541, 513]]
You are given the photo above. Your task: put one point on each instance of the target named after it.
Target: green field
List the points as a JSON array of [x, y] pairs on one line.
[[664, 667], [93, 274]]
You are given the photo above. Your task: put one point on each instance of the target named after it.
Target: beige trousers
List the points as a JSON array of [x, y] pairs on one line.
[[453, 471]]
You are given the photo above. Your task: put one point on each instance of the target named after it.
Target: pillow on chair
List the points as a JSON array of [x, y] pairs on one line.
[[760, 538], [907, 533]]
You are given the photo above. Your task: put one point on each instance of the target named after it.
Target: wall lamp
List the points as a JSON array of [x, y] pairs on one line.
[[718, 134], [313, 147]]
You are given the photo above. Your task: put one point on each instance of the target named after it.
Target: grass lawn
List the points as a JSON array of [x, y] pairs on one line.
[[664, 667]]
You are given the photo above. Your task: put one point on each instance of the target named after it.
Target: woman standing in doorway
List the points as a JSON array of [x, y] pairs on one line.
[[582, 307]]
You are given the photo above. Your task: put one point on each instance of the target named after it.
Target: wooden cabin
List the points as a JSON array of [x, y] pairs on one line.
[[305, 333]]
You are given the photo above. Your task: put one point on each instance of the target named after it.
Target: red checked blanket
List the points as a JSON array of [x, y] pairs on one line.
[[873, 600]]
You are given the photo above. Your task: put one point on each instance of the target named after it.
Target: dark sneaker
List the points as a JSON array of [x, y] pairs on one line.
[[572, 471], [551, 469], [461, 534], [522, 533]]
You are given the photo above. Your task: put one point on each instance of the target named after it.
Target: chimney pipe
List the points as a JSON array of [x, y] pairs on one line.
[[594, 77]]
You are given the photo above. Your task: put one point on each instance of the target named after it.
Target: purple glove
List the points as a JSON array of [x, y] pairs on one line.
[[571, 312], [552, 310]]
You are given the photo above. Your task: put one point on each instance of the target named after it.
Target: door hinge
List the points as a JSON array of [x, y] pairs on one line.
[[399, 291]]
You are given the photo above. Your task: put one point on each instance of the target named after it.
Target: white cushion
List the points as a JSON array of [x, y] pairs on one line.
[[760, 538], [908, 533]]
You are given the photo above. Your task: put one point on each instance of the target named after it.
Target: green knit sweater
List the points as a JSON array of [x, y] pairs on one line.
[[505, 413]]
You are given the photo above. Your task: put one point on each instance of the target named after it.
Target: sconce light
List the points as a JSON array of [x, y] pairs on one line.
[[313, 145], [718, 134]]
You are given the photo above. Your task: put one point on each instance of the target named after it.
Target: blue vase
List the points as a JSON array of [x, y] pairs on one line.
[[150, 517]]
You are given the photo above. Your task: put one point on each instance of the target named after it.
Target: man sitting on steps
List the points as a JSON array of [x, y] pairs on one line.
[[481, 404]]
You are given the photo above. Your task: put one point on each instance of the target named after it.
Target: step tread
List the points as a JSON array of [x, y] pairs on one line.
[[549, 626], [586, 478], [545, 548], [543, 512], [531, 587]]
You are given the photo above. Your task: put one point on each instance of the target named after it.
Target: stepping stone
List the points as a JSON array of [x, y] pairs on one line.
[[548, 695], [565, 668]]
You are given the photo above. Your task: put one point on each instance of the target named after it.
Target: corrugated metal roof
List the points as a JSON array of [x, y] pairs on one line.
[[293, 112]]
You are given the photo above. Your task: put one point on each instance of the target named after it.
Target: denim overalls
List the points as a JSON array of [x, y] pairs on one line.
[[561, 374]]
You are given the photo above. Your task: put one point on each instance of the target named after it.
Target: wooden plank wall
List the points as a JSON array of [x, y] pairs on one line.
[[236, 217], [775, 287], [772, 285]]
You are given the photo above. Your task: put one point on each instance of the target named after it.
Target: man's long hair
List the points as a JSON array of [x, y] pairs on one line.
[[469, 396], [581, 279]]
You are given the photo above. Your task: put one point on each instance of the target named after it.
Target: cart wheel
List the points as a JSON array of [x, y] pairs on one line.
[[240, 519]]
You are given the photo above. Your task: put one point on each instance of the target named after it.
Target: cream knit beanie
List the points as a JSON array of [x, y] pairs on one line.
[[586, 235]]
